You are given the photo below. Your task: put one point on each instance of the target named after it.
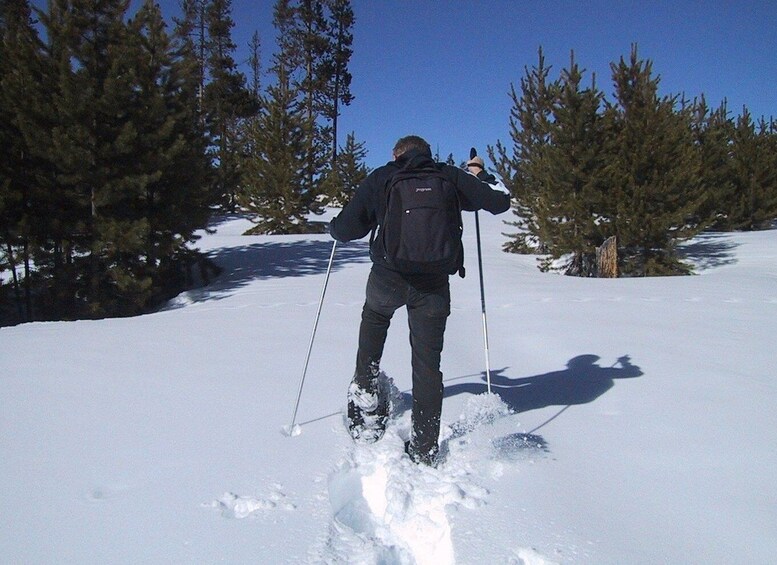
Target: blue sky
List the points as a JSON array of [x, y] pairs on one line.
[[443, 69]]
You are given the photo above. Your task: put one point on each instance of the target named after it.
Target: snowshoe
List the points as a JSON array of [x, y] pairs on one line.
[[368, 410]]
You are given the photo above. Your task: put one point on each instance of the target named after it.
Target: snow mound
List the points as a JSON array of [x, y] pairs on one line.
[[479, 410], [387, 509], [530, 557], [393, 510], [236, 506]]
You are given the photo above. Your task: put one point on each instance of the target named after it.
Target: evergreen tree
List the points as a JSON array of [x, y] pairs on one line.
[[753, 204], [520, 167], [303, 46], [337, 78], [190, 35], [255, 64], [22, 197], [227, 101], [171, 151], [341, 182], [713, 132], [653, 172], [91, 93], [117, 138], [278, 166], [103, 120], [275, 163], [570, 175]]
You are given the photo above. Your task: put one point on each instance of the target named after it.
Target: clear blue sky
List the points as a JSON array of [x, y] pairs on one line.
[[442, 69]]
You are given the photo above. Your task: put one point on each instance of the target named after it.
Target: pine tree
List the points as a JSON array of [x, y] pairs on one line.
[[754, 202], [227, 101], [90, 94], [530, 125], [105, 118], [22, 213], [255, 64], [275, 164], [337, 78], [171, 151], [570, 173], [653, 172], [303, 46], [350, 170], [189, 34], [119, 133], [283, 169], [713, 132]]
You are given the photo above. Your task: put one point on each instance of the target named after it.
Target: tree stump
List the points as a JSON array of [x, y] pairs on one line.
[[607, 258]]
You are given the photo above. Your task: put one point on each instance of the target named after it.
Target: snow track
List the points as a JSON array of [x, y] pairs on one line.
[[393, 510], [386, 509], [156, 439]]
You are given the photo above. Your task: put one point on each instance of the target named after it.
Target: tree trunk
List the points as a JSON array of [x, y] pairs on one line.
[[607, 258], [16, 291]]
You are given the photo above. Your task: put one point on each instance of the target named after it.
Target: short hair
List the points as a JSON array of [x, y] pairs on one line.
[[410, 142]]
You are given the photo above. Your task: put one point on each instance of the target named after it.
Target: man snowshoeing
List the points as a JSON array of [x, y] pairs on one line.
[[412, 207]]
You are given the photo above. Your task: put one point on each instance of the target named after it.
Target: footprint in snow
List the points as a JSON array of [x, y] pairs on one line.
[[232, 505], [386, 509], [394, 507]]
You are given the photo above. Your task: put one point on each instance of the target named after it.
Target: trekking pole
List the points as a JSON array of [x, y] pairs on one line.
[[293, 429], [472, 154], [483, 302]]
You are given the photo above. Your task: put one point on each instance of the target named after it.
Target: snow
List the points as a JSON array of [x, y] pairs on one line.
[[631, 420]]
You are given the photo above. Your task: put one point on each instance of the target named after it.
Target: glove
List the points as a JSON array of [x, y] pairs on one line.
[[475, 165], [477, 168]]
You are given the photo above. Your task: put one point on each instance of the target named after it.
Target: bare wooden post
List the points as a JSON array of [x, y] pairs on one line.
[[607, 258]]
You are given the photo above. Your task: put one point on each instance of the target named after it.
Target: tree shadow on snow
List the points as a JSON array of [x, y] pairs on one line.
[[277, 259], [709, 250]]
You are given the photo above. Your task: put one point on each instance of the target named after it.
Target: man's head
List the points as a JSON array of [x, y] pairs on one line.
[[410, 143]]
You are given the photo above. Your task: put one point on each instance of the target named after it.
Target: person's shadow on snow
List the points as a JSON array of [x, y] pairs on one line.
[[582, 381]]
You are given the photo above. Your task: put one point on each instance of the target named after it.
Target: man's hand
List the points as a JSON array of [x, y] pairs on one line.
[[475, 165]]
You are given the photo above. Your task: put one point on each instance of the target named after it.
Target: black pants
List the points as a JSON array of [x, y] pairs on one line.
[[428, 307]]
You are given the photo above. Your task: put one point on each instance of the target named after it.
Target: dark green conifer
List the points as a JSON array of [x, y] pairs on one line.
[[653, 172], [303, 46], [24, 199], [227, 101], [91, 95], [753, 204], [570, 176], [171, 151], [334, 67], [713, 131], [350, 170], [274, 168], [520, 166]]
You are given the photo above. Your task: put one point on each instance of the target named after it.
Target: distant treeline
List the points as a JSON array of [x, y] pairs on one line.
[[651, 170], [122, 137]]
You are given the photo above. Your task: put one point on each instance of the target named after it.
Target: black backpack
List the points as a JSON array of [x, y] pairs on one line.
[[421, 228]]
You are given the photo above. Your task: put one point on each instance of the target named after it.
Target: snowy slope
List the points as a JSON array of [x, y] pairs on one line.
[[634, 423]]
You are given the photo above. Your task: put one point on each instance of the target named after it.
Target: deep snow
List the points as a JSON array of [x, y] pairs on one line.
[[633, 420]]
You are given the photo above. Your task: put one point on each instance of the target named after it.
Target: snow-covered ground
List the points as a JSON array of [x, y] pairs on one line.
[[635, 422]]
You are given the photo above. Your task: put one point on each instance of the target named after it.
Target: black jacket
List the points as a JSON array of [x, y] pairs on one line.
[[361, 215]]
